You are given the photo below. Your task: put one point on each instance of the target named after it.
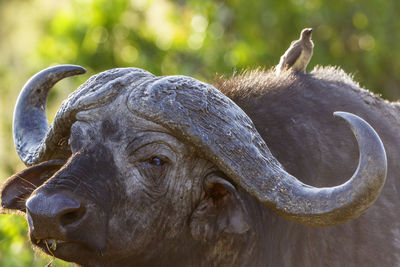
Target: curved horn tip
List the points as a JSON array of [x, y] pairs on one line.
[[360, 127], [78, 68], [347, 116], [352, 119], [73, 69]]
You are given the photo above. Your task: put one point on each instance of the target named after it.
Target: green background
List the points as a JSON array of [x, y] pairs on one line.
[[199, 38]]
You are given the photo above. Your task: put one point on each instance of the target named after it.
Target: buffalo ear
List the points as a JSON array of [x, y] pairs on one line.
[[19, 187], [220, 211]]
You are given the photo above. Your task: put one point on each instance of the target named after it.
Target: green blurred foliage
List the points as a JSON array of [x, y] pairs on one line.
[[199, 38]]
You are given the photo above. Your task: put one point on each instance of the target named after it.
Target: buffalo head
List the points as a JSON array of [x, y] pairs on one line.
[[143, 169]]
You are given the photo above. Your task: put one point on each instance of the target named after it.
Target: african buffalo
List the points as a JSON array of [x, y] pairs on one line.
[[139, 170]]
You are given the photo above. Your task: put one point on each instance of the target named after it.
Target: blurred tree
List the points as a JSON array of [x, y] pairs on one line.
[[199, 38]]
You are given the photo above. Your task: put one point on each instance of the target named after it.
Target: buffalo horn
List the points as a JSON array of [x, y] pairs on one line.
[[203, 116], [30, 126]]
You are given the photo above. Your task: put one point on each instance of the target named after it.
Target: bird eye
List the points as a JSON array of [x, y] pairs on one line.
[[156, 161]]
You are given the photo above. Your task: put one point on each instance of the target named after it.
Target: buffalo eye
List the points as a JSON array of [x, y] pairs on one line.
[[156, 161], [154, 168]]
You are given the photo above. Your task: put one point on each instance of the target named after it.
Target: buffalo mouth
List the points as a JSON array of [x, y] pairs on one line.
[[72, 246], [67, 250], [50, 245]]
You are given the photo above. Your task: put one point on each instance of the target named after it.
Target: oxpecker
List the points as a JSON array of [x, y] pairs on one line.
[[298, 54]]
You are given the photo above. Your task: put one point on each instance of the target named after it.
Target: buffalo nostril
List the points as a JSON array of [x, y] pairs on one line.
[[53, 213], [72, 216]]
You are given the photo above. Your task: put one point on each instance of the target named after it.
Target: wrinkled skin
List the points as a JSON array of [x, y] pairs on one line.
[[134, 179]]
